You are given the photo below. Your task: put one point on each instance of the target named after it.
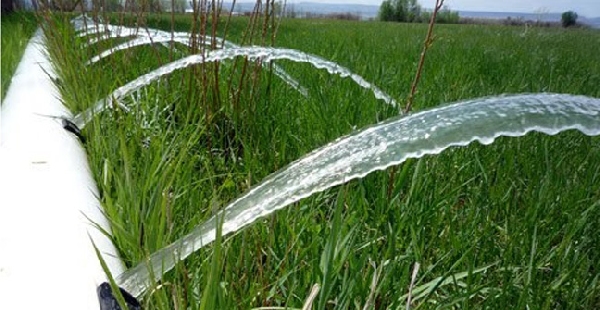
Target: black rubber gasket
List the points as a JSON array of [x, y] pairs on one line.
[[109, 302]]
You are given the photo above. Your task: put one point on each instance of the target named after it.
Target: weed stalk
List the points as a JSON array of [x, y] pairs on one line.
[[413, 88]]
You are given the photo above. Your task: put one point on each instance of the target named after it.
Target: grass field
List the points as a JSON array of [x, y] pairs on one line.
[[513, 225], [17, 29]]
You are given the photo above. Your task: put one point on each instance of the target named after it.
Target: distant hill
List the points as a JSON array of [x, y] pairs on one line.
[[546, 17], [370, 11], [594, 22]]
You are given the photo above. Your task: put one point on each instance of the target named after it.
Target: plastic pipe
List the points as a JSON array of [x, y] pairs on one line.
[[48, 199]]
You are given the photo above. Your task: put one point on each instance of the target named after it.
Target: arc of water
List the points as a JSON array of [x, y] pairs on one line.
[[133, 43], [376, 148], [279, 72], [159, 36], [105, 32], [85, 26], [118, 31], [91, 27], [113, 32], [253, 53], [154, 34]]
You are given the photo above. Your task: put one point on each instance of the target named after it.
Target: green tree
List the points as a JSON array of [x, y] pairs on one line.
[[444, 16], [400, 11], [569, 18], [386, 11], [413, 11], [447, 16]]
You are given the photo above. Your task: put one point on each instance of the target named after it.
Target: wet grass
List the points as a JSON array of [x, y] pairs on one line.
[[511, 225], [17, 29]]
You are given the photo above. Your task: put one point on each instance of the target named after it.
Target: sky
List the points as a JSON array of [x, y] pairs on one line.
[[589, 8]]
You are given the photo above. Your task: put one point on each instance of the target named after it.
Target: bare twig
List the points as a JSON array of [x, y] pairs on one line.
[[415, 83], [426, 44]]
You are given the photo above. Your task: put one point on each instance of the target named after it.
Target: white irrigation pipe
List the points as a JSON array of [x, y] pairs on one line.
[[48, 200]]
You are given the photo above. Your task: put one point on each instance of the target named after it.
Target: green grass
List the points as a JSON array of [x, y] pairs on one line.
[[512, 225], [17, 29]]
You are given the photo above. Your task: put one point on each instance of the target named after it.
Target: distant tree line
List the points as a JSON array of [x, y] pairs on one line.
[[410, 11]]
